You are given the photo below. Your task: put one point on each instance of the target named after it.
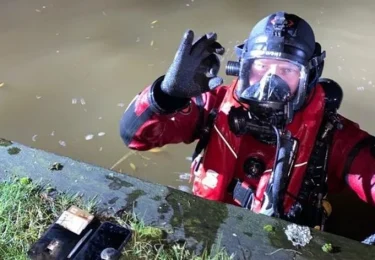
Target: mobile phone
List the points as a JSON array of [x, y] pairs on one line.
[[108, 235], [57, 242]]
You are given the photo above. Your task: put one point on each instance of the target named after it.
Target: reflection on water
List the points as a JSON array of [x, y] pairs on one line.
[[71, 67]]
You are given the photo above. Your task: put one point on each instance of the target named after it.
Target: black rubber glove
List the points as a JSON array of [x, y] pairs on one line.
[[195, 67]]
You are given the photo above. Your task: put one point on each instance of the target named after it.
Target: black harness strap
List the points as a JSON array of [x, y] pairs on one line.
[[367, 141], [205, 133]]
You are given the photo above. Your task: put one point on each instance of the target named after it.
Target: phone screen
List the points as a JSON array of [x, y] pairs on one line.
[[107, 235], [56, 243]]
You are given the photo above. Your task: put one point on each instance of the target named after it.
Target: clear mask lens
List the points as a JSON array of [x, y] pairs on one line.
[[271, 80]]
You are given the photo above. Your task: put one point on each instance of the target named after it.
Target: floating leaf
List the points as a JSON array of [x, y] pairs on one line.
[[132, 165], [155, 150], [2, 84]]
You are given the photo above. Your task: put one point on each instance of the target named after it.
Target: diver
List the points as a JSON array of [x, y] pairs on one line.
[[272, 141]]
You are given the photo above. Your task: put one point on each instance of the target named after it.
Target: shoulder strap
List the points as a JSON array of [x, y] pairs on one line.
[[204, 133]]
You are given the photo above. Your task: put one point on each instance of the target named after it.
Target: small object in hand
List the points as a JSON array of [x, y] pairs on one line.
[[109, 254], [56, 166]]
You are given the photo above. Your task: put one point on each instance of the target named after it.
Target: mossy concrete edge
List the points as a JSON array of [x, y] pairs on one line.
[[189, 219]]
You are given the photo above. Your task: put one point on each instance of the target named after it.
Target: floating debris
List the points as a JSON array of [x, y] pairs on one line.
[[89, 137], [138, 39], [104, 13], [34, 138], [152, 43], [132, 165], [2, 84], [57, 51], [101, 134], [184, 175], [100, 149], [37, 10], [52, 133], [83, 102], [120, 104], [62, 143], [189, 158], [38, 97], [154, 22], [74, 101], [155, 150], [298, 235], [100, 118], [131, 152]]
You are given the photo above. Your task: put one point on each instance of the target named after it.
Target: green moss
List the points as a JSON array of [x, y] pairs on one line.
[[248, 234], [157, 198], [4, 142], [200, 218], [152, 233], [276, 235], [14, 150], [25, 180], [327, 248], [164, 208], [269, 228], [117, 183], [113, 200], [132, 197]]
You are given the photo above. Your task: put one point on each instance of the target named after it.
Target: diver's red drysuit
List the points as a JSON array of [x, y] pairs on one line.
[[351, 158]]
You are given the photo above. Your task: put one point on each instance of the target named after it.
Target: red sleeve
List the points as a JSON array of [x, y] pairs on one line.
[[143, 127], [352, 161]]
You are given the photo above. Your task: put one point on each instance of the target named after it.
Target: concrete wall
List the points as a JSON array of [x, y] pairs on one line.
[[188, 218]]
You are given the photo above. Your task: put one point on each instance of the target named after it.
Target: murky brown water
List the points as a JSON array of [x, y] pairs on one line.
[[54, 53]]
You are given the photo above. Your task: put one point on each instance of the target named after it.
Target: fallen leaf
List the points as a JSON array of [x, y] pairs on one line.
[[133, 166], [155, 150]]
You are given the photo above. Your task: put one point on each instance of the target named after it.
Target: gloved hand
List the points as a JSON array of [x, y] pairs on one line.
[[195, 67]]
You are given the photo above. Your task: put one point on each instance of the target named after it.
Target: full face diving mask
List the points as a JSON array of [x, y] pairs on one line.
[[271, 85]]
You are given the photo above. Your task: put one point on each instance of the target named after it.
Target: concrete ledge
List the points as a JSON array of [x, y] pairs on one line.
[[191, 219]]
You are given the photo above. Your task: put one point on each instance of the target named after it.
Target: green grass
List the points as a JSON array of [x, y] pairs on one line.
[[25, 213]]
